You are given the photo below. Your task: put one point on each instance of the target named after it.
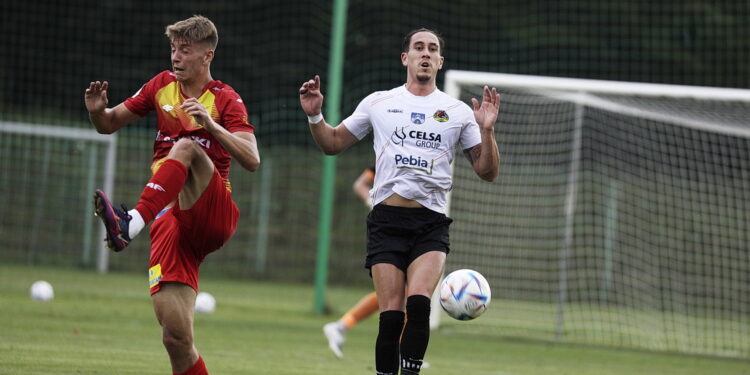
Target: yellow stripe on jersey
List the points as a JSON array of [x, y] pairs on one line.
[[157, 164], [208, 99], [169, 99]]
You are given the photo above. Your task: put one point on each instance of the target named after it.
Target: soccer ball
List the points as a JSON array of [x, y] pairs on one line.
[[41, 291], [205, 303], [464, 294]]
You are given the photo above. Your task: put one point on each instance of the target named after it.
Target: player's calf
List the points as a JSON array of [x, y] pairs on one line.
[[416, 334]]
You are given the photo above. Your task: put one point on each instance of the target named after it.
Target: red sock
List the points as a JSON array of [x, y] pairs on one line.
[[199, 368], [163, 188]]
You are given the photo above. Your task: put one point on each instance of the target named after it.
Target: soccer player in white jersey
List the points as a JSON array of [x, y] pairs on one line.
[[416, 130]]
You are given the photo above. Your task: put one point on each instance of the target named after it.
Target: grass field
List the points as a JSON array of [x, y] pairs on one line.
[[103, 324]]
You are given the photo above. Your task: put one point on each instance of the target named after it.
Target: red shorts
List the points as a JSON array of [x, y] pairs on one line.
[[180, 239]]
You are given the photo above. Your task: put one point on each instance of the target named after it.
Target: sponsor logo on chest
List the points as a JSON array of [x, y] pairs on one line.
[[416, 163], [422, 139]]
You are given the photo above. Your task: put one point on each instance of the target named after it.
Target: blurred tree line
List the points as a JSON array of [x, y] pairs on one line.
[[52, 49]]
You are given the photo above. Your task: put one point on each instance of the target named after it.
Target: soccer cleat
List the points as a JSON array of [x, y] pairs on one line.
[[335, 333], [116, 221]]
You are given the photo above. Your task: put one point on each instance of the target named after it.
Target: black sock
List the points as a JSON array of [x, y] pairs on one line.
[[416, 334], [386, 346]]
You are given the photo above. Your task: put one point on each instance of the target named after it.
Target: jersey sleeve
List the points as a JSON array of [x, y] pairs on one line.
[[142, 102], [234, 114], [470, 135], [358, 123]]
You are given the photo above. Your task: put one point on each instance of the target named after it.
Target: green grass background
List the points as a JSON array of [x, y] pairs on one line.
[[104, 324]]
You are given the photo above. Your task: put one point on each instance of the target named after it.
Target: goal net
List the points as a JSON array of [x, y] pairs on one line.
[[47, 177], [620, 216]]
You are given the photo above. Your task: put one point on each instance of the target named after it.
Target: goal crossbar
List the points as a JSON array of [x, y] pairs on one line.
[[455, 77], [580, 91]]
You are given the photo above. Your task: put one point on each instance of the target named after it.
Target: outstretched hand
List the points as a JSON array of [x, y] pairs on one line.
[[310, 97], [486, 113], [96, 96]]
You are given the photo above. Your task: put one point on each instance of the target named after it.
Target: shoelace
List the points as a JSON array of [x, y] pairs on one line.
[[125, 215]]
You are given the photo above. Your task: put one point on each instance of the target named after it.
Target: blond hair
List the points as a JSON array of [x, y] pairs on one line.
[[194, 29]]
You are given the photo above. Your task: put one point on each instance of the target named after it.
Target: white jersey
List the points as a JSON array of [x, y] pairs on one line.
[[414, 141]]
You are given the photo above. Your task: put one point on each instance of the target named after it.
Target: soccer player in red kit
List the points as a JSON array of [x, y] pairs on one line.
[[202, 124]]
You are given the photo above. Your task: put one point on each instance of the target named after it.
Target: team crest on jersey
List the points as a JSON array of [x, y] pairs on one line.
[[440, 116], [417, 118]]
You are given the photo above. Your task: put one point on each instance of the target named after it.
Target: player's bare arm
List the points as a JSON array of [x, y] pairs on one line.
[[331, 140], [241, 145], [363, 184], [105, 120], [485, 157]]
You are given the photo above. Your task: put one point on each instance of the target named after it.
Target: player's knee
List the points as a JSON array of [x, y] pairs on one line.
[[187, 145], [392, 304], [421, 290], [184, 150], [176, 342]]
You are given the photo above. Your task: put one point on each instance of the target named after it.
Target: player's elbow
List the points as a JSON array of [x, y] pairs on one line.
[[105, 122], [489, 175], [330, 151], [101, 128], [250, 161], [330, 148], [252, 165]]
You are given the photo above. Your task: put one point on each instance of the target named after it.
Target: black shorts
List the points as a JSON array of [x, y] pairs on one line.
[[398, 235]]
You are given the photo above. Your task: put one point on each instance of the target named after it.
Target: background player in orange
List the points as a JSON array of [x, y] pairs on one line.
[[336, 331], [202, 124]]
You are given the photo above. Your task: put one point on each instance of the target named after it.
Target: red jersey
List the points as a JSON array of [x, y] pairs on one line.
[[163, 93]]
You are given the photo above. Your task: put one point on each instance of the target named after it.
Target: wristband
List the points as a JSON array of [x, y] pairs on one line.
[[315, 119]]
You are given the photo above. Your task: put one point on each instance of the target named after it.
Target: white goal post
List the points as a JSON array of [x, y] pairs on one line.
[[619, 216], [38, 155]]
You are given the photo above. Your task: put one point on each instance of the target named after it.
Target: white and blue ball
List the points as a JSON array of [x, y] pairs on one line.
[[465, 294]]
